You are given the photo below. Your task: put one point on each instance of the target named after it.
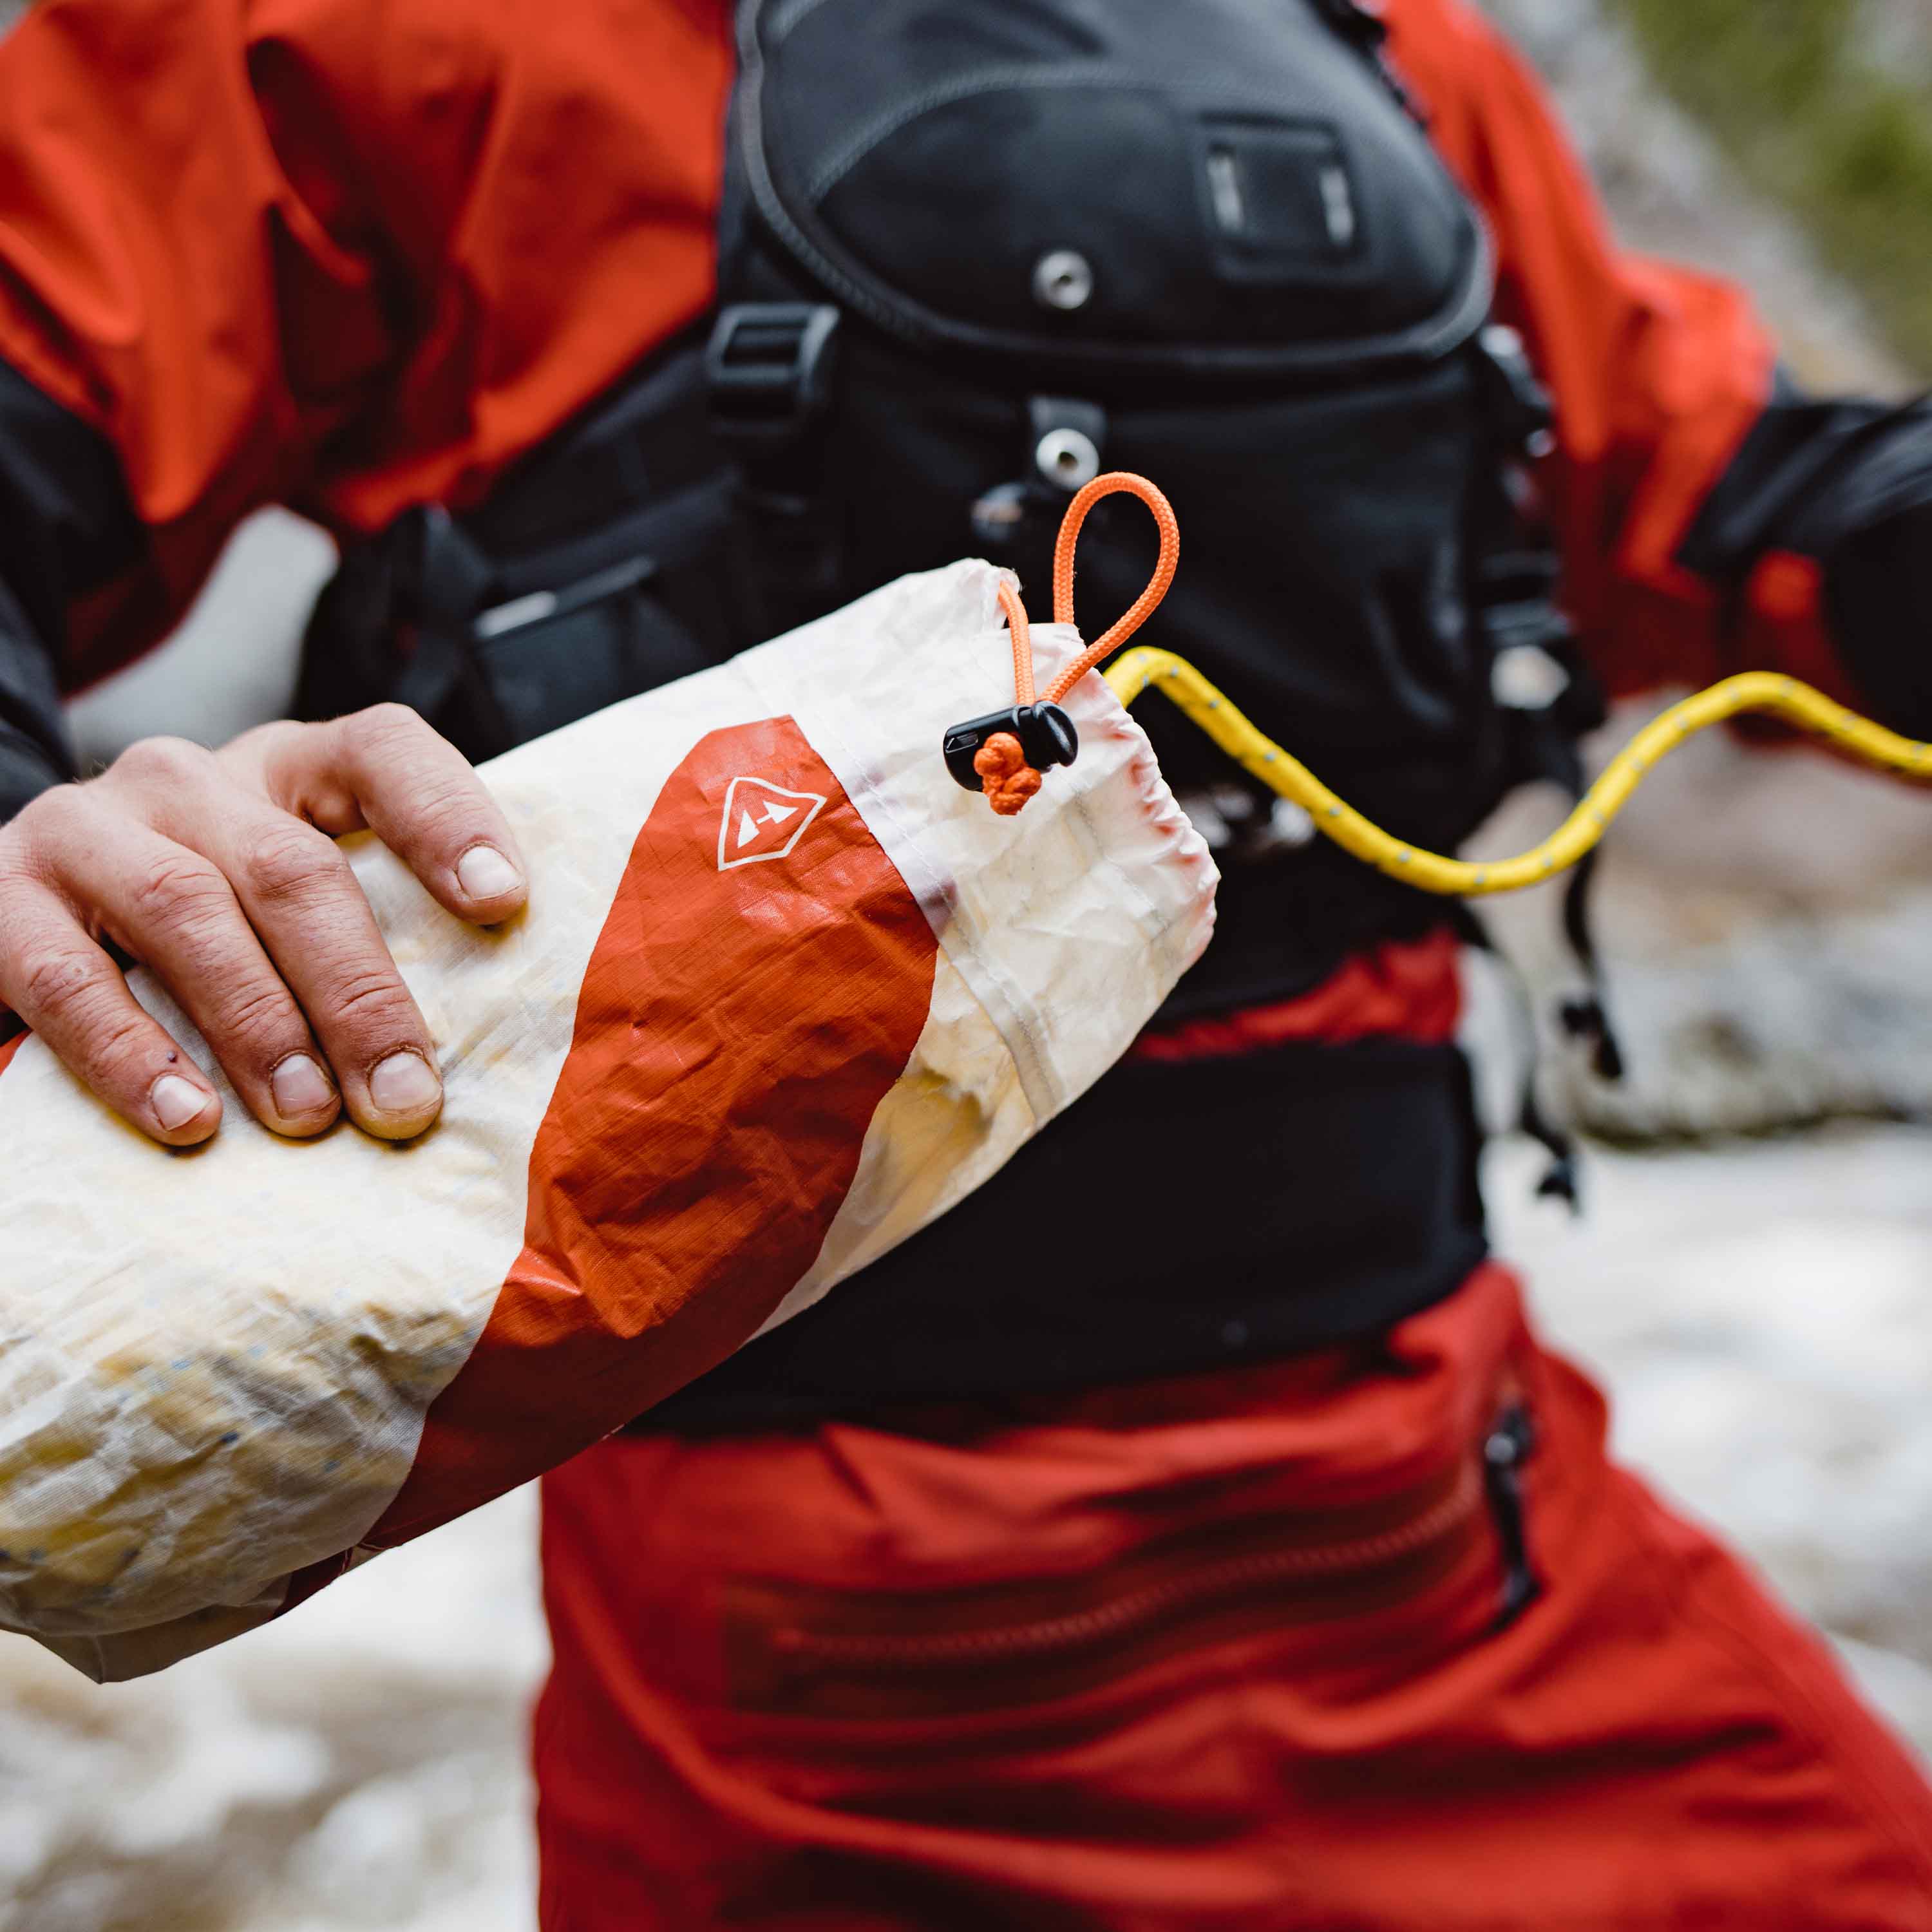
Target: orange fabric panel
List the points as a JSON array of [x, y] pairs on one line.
[[1658, 371], [12, 1047], [348, 253], [748, 1004], [1785, 593], [1401, 989]]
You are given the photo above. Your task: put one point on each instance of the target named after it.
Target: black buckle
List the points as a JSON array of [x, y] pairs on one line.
[[769, 365], [440, 578]]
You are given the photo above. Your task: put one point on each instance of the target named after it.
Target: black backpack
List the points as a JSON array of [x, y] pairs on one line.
[[971, 252]]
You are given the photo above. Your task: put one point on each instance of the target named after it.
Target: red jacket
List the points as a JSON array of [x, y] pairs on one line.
[[349, 255]]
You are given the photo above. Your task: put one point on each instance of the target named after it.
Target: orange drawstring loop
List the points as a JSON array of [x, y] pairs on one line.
[[1144, 606], [1007, 780]]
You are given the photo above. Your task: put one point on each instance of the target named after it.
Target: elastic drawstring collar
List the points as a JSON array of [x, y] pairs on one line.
[[1003, 753]]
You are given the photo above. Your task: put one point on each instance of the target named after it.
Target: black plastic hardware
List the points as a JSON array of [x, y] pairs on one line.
[[1353, 21], [1521, 406], [769, 367], [1583, 1019], [1045, 732], [1505, 1449]]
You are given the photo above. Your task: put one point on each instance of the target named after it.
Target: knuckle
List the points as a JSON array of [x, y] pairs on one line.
[[291, 861], [163, 762], [260, 1019], [44, 817], [386, 729], [259, 739], [68, 996], [115, 1047], [119, 1040], [178, 890], [444, 807], [369, 1000], [56, 986]]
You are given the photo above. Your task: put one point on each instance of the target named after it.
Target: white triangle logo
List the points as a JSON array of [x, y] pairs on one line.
[[758, 822]]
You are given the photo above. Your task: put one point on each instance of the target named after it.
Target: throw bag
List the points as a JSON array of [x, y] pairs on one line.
[[784, 993]]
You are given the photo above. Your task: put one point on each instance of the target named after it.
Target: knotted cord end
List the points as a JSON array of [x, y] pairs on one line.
[[1005, 776]]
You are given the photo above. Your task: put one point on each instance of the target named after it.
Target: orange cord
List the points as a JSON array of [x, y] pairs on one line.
[[1145, 605], [1005, 776], [1022, 637]]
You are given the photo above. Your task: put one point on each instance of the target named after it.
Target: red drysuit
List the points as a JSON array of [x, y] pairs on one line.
[[1221, 1652]]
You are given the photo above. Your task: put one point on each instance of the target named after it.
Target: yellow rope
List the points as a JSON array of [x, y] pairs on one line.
[[1134, 671]]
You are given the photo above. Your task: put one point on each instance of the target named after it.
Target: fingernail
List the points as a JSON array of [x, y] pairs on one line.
[[299, 1086], [175, 1101], [404, 1083], [484, 873]]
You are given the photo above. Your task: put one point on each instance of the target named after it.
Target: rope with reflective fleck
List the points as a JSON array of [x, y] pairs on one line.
[[1009, 781], [1145, 667]]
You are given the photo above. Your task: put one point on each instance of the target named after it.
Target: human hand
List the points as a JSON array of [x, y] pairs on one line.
[[218, 871]]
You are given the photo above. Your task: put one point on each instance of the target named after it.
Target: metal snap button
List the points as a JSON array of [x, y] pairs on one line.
[[1062, 279], [1066, 458]]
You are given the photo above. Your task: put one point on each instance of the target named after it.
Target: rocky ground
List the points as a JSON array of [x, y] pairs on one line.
[[1760, 1306]]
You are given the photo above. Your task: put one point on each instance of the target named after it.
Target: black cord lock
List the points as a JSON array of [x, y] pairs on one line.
[[1045, 732]]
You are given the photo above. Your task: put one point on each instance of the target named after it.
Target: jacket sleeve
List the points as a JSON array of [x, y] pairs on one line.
[[1711, 520], [35, 752], [65, 519], [347, 255]]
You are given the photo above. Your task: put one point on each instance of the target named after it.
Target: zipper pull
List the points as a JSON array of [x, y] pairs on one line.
[[1505, 1449]]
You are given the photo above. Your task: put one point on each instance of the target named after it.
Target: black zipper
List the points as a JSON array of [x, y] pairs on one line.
[[1506, 1450]]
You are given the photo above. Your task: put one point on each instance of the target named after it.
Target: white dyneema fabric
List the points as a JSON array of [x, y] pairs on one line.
[[220, 1370]]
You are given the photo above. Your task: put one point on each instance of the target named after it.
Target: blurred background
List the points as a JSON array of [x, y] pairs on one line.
[[1753, 1275]]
